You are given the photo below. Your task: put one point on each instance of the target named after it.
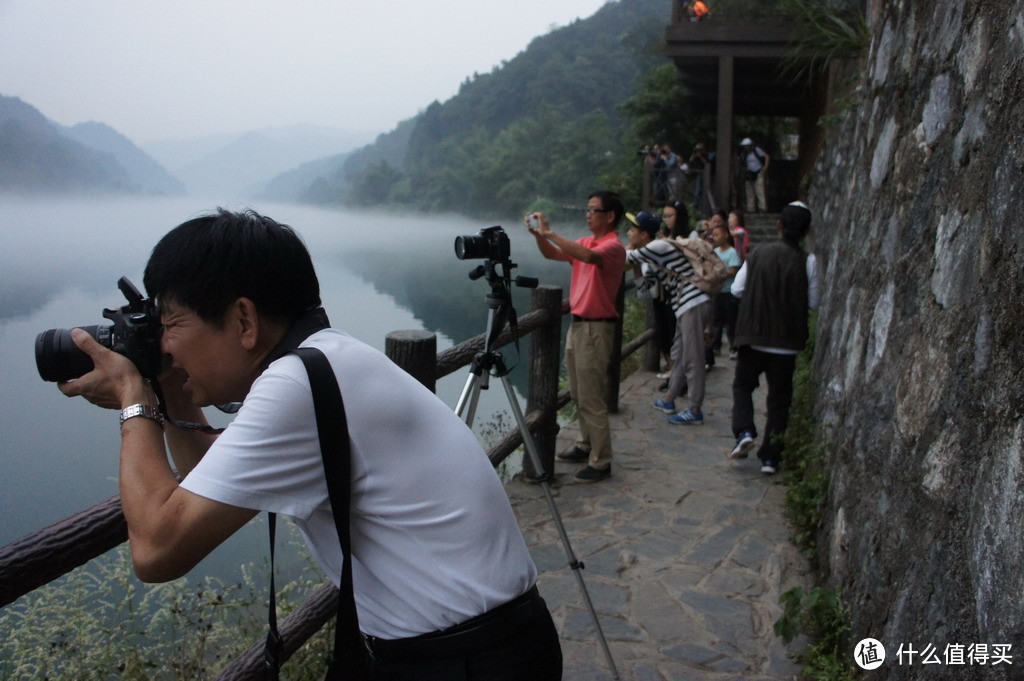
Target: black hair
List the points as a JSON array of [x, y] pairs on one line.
[[796, 222], [682, 227], [611, 201], [207, 263], [722, 214]]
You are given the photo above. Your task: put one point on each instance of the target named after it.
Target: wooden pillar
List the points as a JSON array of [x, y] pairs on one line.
[[545, 362], [724, 144], [416, 353]]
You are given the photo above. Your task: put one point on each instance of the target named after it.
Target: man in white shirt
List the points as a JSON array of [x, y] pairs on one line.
[[777, 285], [441, 573]]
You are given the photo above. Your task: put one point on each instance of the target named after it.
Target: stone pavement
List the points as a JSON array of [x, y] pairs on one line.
[[686, 552]]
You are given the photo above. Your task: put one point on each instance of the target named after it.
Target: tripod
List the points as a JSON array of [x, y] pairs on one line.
[[499, 302]]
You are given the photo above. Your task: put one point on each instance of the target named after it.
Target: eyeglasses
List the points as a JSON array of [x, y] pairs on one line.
[[588, 211]]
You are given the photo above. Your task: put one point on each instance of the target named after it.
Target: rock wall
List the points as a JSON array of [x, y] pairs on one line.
[[919, 203]]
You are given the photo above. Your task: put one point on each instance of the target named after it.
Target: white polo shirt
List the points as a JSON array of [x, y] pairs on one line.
[[434, 539]]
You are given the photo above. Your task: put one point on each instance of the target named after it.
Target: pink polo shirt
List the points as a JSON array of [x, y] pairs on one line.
[[593, 289]]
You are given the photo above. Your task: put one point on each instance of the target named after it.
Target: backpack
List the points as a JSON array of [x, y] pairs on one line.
[[709, 272]]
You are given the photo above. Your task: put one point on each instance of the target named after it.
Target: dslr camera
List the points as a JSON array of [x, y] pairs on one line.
[[135, 333], [491, 243]]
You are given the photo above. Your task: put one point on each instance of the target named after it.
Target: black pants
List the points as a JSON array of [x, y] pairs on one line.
[[664, 326], [778, 371], [515, 642]]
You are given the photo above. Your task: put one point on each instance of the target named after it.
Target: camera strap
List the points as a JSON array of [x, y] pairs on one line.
[[350, 654]]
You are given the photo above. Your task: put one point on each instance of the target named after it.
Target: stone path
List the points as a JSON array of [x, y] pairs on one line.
[[686, 551]]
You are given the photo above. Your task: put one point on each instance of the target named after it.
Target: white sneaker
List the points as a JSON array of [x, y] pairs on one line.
[[768, 468]]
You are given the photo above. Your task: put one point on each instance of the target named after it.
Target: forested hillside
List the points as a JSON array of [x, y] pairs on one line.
[[541, 129]]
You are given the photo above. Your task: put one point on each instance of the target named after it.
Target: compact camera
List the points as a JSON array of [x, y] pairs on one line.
[[135, 333], [491, 243]]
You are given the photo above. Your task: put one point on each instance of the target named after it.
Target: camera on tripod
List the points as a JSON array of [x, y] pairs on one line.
[[135, 333], [491, 243]]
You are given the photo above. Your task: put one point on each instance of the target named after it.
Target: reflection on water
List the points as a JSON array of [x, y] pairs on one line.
[[59, 265]]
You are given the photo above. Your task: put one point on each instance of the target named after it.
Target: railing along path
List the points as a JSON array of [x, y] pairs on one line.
[[51, 552]]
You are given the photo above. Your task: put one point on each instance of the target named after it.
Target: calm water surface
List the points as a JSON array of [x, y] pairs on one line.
[[59, 264]]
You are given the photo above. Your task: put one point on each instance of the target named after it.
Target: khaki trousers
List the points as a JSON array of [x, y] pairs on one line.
[[588, 348]]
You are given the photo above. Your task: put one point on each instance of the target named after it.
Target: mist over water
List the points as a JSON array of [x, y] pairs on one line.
[[59, 265]]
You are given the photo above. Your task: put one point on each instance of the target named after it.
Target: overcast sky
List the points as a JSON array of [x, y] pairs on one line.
[[157, 69]]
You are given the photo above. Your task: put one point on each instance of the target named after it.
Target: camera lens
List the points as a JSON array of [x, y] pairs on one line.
[[471, 247], [59, 359]]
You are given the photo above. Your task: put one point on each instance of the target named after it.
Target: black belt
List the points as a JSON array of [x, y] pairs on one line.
[[577, 318], [473, 635]]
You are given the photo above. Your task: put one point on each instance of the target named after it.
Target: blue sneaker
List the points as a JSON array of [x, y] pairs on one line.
[[687, 418], [744, 443], [666, 406]]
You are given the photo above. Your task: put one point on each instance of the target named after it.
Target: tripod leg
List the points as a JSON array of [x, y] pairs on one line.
[[469, 399], [531, 451]]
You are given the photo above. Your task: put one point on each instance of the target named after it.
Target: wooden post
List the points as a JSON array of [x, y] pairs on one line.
[[545, 362], [614, 375], [723, 148], [416, 353]]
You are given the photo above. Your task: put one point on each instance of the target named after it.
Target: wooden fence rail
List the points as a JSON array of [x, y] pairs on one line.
[[45, 555]]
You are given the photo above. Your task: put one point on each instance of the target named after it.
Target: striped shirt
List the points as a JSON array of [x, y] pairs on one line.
[[670, 269]]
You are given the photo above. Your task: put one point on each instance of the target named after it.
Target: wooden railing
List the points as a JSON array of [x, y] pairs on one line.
[[47, 554]]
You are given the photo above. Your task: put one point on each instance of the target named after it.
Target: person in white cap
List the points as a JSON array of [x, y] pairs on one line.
[[777, 285], [756, 162]]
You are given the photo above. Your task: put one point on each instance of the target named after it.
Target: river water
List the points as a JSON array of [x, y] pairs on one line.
[[59, 264]]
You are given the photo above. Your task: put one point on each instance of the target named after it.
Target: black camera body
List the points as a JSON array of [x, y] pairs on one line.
[[491, 243], [135, 333]]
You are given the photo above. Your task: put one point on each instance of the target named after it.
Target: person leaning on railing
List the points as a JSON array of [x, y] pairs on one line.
[[443, 582]]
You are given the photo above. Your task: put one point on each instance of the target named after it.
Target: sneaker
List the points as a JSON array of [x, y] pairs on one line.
[[666, 374], [667, 406], [663, 387], [744, 443], [769, 467], [590, 474], [733, 354], [575, 455], [687, 418]]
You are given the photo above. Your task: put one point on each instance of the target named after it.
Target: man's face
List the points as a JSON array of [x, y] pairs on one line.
[[210, 356], [599, 220], [637, 237]]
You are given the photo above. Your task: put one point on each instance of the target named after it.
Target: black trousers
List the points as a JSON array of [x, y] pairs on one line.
[[778, 371], [514, 642], [664, 326]]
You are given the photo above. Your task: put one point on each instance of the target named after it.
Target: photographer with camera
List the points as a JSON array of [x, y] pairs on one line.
[[443, 583], [597, 264]]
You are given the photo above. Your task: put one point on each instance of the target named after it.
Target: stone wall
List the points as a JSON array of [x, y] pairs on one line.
[[919, 214]]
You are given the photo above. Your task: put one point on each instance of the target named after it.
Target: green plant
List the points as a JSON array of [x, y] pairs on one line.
[[822, 616], [100, 622], [805, 445], [824, 33]]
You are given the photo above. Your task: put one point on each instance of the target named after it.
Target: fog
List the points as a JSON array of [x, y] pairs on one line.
[[59, 267]]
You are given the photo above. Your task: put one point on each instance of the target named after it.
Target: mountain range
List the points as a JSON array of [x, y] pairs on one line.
[[543, 124]]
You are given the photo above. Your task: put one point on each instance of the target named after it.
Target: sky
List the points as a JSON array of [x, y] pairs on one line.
[[157, 70]]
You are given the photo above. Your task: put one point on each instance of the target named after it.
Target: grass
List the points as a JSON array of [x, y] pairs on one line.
[[99, 622]]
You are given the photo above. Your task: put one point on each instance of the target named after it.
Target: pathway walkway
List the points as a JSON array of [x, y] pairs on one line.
[[686, 551]]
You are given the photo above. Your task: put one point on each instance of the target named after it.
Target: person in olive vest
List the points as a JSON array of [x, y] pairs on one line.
[[777, 285]]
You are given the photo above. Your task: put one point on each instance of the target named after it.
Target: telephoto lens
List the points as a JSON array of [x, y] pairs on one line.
[[59, 359]]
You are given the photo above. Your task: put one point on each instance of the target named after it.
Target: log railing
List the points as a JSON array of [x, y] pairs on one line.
[[45, 555]]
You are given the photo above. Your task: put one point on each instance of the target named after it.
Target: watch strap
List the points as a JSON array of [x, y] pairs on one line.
[[144, 410]]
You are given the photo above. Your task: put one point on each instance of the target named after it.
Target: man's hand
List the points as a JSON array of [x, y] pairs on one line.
[[537, 224], [114, 382]]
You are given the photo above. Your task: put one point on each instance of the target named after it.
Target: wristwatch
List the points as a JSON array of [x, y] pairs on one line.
[[143, 410]]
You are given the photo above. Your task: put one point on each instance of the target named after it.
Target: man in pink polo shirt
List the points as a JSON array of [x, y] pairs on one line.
[[597, 264]]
